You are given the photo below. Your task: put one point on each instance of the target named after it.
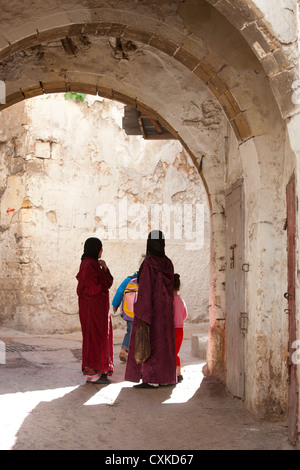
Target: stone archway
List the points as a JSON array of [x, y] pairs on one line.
[[185, 55]]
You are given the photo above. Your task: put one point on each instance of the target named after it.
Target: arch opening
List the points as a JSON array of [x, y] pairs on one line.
[[72, 172], [255, 147]]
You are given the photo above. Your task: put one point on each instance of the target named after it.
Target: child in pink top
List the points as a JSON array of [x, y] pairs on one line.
[[180, 315]]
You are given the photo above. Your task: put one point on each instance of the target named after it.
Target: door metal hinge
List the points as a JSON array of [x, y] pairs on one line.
[[244, 322]]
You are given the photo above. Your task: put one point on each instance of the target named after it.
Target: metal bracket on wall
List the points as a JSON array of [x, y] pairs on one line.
[[244, 322]]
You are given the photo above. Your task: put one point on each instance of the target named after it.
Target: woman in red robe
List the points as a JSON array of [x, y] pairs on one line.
[[155, 307], [94, 281]]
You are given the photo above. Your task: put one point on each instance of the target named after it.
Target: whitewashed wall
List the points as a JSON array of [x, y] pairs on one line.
[[68, 172]]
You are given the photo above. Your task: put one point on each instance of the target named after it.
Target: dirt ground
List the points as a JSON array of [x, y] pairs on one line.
[[45, 404]]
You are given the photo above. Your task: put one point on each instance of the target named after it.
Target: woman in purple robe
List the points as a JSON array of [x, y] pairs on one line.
[[155, 307]]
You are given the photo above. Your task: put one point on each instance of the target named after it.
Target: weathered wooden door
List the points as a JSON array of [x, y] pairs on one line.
[[236, 317], [290, 295]]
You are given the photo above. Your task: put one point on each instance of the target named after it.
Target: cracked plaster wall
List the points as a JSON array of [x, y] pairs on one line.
[[63, 165]]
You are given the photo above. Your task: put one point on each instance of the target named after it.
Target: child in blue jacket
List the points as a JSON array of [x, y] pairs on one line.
[[116, 303]]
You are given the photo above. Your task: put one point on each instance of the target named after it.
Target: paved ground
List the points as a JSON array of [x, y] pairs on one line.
[[46, 404]]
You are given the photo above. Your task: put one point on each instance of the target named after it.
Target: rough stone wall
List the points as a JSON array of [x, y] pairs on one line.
[[69, 172]]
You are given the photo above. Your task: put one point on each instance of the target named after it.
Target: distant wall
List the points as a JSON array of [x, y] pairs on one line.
[[68, 171]]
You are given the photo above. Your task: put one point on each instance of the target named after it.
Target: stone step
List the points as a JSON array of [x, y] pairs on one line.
[[199, 345]]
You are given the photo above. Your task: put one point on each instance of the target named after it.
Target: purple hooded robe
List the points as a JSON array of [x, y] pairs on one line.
[[155, 306]]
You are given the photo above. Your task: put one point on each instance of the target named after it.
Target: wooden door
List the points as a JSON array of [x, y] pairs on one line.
[[290, 295], [236, 317]]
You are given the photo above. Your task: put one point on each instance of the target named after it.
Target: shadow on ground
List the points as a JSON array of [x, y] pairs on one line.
[[45, 404]]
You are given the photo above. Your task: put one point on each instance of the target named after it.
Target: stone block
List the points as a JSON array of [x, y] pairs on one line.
[[83, 88], [90, 29], [55, 87], [186, 58], [32, 91], [137, 34], [75, 30], [232, 103], [257, 40], [219, 84], [24, 43], [53, 34], [12, 99], [3, 42], [103, 29], [282, 85], [283, 60], [199, 345], [241, 95], [250, 14], [163, 44], [16, 35], [105, 92], [56, 151], [42, 150], [242, 126], [124, 98], [4, 53], [233, 15], [201, 73], [270, 65]]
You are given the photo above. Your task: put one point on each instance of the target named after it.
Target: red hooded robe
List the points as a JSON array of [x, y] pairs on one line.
[[93, 296], [155, 306]]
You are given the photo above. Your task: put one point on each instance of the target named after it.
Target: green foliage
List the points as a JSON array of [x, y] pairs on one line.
[[72, 95]]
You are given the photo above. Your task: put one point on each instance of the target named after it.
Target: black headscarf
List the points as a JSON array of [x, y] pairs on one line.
[[155, 246], [92, 248], [156, 243]]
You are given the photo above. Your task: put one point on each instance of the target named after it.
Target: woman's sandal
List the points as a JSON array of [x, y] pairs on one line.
[[146, 385], [102, 380]]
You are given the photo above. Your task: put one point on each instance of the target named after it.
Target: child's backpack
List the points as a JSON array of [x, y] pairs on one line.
[[129, 299]]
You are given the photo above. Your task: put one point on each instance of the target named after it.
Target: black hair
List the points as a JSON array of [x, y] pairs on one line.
[[156, 243], [176, 281], [92, 248]]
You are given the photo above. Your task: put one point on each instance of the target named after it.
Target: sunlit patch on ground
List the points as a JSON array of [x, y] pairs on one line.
[[108, 394], [15, 407], [185, 390]]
